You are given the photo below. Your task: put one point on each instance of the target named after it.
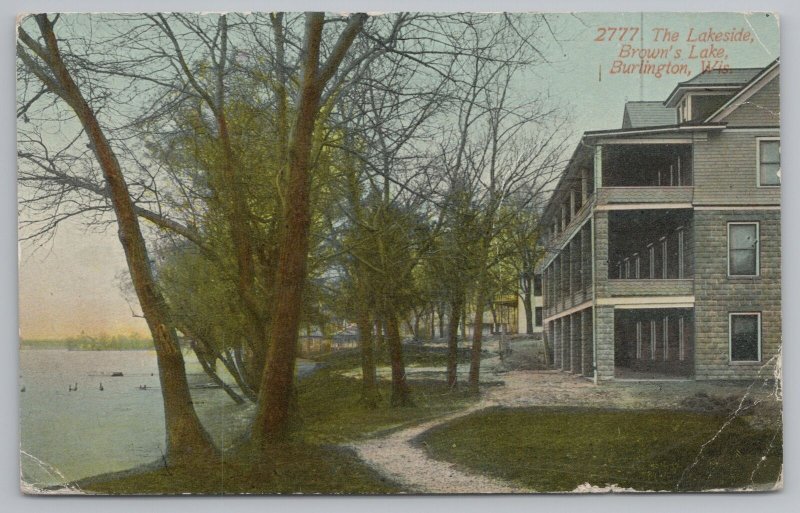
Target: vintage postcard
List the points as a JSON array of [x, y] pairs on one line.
[[426, 253]]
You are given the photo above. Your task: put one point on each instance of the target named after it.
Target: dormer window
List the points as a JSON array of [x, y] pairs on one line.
[[703, 105], [697, 106], [683, 110]]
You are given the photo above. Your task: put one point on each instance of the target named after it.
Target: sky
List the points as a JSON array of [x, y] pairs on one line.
[[69, 284]]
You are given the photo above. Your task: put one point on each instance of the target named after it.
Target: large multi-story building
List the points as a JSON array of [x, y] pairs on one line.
[[664, 239]]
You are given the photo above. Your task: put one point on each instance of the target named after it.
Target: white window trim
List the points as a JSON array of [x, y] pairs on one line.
[[758, 249], [681, 339], [730, 336], [758, 161]]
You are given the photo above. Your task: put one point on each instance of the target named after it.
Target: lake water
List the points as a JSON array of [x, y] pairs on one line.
[[70, 435]]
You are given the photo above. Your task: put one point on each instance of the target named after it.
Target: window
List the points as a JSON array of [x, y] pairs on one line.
[[743, 249], [681, 340], [664, 258], [653, 339], [652, 253], [638, 340], [681, 263], [745, 337], [538, 315], [627, 269], [537, 284], [769, 162], [637, 266], [666, 338]]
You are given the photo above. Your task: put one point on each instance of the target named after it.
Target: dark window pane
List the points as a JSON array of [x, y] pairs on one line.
[[537, 284], [538, 315], [744, 338]]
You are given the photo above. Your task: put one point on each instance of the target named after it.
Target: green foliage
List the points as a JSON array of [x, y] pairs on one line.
[[550, 449]]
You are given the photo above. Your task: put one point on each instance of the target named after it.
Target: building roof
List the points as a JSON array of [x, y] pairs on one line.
[[640, 114], [653, 117], [728, 79], [765, 75], [732, 77]]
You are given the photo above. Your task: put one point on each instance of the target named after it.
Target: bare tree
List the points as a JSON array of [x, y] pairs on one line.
[[505, 144], [186, 438]]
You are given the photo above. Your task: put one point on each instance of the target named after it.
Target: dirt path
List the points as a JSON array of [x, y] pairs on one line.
[[397, 457]]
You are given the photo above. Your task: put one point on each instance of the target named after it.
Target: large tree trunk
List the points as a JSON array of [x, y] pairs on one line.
[[477, 335], [528, 304], [186, 439], [452, 341], [464, 320], [440, 312], [380, 340], [369, 382], [477, 340], [272, 417], [275, 395], [400, 393]]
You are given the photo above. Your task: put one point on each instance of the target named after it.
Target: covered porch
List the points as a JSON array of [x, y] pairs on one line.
[[654, 343]]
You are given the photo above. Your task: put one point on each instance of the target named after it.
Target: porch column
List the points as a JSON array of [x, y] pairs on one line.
[[557, 343], [566, 346], [575, 342], [587, 362], [605, 342]]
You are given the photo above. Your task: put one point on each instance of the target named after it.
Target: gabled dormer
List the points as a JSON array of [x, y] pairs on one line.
[[701, 96]]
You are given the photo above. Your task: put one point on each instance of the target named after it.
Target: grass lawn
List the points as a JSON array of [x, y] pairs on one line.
[[552, 449], [328, 412]]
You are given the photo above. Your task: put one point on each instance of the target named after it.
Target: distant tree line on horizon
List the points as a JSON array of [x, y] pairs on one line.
[[83, 342]]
